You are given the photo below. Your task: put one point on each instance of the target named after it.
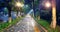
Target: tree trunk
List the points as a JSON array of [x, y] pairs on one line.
[[9, 6], [34, 9], [53, 23], [20, 14], [17, 13], [9, 13]]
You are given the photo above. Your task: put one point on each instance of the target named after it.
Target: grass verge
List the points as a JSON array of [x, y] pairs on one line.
[[46, 25], [7, 24]]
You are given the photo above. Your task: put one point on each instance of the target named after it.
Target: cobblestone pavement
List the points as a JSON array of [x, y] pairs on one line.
[[27, 24]]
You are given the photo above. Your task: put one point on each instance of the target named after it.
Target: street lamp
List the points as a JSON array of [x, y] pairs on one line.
[[47, 4], [19, 4]]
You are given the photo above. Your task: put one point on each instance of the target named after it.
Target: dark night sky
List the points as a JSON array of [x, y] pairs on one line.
[[58, 11], [58, 4]]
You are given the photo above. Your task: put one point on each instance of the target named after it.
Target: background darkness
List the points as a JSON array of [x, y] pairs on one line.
[[58, 11]]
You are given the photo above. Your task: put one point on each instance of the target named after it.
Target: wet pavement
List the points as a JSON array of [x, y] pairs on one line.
[[27, 24]]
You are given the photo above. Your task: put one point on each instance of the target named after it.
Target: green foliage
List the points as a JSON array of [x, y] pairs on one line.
[[36, 2], [26, 9]]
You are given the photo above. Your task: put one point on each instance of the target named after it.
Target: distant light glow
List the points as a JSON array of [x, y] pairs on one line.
[[18, 4], [47, 4]]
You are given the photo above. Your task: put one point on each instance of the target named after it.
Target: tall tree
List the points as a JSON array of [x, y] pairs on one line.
[[9, 6], [53, 23], [35, 8]]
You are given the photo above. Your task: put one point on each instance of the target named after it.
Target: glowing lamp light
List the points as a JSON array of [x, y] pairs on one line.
[[48, 4], [18, 4]]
